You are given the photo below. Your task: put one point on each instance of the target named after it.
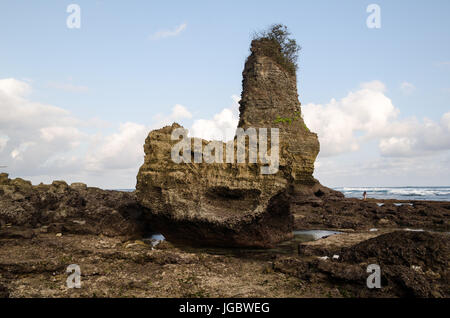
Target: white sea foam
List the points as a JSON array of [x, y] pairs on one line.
[[400, 193]]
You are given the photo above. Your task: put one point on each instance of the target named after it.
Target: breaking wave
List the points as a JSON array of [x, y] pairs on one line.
[[399, 193]]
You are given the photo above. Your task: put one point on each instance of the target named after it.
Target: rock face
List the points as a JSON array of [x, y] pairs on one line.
[[211, 204], [269, 99], [234, 204], [60, 208]]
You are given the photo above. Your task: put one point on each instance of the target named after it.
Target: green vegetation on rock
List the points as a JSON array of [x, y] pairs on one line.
[[290, 120], [275, 43]]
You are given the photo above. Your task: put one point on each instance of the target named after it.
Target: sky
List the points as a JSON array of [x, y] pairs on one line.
[[77, 103]]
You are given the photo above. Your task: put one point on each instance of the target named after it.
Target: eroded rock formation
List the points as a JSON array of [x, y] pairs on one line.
[[61, 208], [234, 204], [269, 99]]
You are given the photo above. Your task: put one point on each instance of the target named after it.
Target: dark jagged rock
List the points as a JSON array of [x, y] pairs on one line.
[[331, 212], [430, 251], [61, 208], [412, 264], [4, 293]]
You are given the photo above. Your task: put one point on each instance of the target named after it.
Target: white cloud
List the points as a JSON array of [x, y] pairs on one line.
[[397, 146], [16, 111], [382, 171], [178, 113], [121, 150], [39, 139], [44, 142], [407, 88], [340, 123], [445, 121], [169, 33], [368, 114], [10, 87], [416, 138], [374, 86], [221, 127], [3, 142], [34, 131], [65, 134]]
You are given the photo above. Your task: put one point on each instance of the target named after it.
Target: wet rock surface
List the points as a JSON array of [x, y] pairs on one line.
[[332, 212], [412, 264], [46, 228], [404, 248], [117, 267], [59, 208]]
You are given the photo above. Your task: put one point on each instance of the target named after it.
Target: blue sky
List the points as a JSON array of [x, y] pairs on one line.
[[115, 70]]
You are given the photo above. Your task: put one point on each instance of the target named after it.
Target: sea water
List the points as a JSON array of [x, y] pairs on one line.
[[398, 193]]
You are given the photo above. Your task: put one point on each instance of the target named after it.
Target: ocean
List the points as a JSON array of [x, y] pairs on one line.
[[398, 193]]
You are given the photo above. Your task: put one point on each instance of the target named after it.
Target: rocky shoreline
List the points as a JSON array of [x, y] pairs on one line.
[[331, 212], [413, 264], [38, 241], [75, 209], [231, 205]]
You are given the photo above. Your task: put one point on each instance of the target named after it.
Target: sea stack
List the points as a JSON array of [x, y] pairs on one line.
[[234, 204]]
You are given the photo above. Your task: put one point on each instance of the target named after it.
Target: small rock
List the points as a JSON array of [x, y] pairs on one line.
[[78, 186], [135, 243], [416, 268], [58, 234]]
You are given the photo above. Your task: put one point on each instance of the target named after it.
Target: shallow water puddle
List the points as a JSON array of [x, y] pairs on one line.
[[313, 235], [414, 230], [287, 247], [154, 239]]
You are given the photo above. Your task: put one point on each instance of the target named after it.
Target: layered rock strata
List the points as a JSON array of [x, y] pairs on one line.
[[230, 203]]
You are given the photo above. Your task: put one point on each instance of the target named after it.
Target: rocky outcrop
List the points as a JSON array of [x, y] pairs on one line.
[[330, 212], [213, 204], [61, 208], [412, 264], [269, 99], [234, 204]]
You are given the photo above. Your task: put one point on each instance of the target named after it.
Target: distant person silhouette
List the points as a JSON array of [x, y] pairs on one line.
[[364, 195]]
